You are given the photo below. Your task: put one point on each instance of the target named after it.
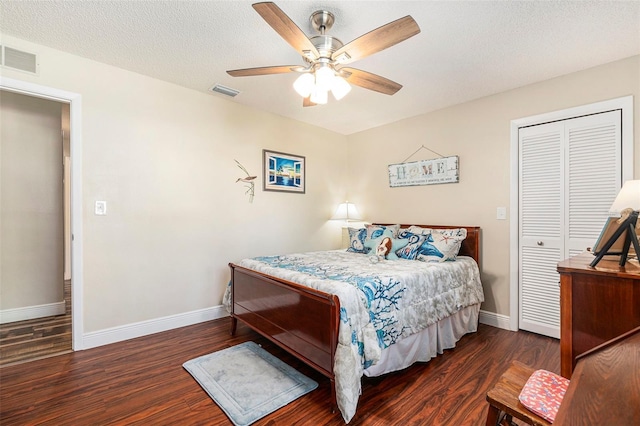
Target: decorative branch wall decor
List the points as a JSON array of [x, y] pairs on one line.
[[425, 172], [248, 181]]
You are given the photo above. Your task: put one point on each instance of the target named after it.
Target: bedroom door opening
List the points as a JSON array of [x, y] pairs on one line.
[[74, 100], [35, 251], [567, 168]]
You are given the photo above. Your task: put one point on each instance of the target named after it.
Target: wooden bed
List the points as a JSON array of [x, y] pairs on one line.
[[301, 320]]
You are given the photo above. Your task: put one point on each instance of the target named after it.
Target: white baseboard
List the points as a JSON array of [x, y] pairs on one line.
[[144, 328], [31, 312], [495, 320]]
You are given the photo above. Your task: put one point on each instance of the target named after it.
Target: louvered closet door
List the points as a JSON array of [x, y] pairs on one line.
[[541, 226], [594, 151], [570, 173]]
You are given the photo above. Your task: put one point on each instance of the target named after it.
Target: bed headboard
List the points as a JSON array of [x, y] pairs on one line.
[[470, 246]]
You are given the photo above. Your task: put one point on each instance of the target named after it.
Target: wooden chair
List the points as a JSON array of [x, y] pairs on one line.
[[504, 404]]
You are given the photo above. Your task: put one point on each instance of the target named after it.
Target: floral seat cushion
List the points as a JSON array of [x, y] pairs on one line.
[[543, 393]]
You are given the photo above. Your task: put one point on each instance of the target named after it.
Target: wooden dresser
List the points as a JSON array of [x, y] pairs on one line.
[[596, 305]]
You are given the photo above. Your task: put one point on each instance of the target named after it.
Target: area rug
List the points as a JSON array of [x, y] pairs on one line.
[[248, 382]]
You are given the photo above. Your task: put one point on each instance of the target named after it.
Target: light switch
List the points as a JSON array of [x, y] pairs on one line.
[[501, 213], [101, 208]]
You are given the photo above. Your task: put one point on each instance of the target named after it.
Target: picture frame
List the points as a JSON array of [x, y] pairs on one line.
[[610, 227], [283, 172]]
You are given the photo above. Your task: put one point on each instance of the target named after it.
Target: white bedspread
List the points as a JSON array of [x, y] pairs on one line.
[[384, 302]]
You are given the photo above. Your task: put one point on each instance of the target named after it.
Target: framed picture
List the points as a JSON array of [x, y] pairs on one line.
[[610, 227], [283, 172]]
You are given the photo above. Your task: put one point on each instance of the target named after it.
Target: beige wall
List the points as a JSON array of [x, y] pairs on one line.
[[162, 156], [30, 202], [478, 132]]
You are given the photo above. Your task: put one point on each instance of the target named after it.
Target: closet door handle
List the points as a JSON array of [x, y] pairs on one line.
[[540, 243]]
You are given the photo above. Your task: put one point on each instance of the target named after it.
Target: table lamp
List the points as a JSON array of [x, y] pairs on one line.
[[628, 198], [346, 211]]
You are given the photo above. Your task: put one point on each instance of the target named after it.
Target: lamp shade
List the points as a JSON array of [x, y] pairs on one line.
[[340, 87], [319, 96], [324, 77], [628, 197], [304, 85], [346, 211]]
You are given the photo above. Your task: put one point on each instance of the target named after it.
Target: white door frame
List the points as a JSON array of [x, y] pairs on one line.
[[626, 105], [75, 112]]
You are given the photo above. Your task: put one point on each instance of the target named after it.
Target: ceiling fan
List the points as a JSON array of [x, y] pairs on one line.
[[325, 55]]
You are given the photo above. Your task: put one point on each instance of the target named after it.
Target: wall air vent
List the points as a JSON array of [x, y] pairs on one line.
[[227, 91], [19, 60]]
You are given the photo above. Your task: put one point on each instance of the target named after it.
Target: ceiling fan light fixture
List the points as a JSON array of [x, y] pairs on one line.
[[304, 84], [340, 87], [319, 96], [324, 77]]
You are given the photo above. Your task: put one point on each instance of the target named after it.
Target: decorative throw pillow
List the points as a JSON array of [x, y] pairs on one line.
[[386, 246], [396, 245], [455, 232], [374, 231], [414, 242], [543, 393], [418, 230], [371, 244], [356, 240], [440, 246]]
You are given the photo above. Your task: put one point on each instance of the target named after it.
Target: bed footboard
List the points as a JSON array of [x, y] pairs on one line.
[[300, 320]]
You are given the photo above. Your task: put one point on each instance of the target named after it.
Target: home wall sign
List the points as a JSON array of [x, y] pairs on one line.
[[424, 172]]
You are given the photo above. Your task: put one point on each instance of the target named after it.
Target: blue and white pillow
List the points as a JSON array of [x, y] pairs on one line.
[[441, 245], [456, 232], [374, 231], [356, 240], [374, 244], [410, 251]]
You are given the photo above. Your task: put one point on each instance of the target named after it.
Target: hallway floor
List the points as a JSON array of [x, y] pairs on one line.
[[28, 340]]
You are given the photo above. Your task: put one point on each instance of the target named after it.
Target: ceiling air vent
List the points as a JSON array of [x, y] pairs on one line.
[[218, 88], [19, 60]]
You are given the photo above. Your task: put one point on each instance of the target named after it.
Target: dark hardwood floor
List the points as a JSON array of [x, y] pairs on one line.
[[28, 340], [142, 382]]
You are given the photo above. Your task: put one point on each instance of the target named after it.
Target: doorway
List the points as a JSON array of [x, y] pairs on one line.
[[74, 193], [35, 288]]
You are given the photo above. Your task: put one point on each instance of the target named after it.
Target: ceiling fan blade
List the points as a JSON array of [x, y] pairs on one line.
[[247, 72], [370, 81], [287, 29], [379, 39], [306, 102]]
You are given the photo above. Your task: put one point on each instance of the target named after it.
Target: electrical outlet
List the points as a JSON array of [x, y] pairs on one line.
[[101, 208]]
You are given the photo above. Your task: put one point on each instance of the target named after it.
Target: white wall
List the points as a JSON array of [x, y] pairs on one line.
[[478, 132], [162, 156]]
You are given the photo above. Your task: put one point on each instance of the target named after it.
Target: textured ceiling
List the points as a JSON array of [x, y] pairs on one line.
[[466, 50]]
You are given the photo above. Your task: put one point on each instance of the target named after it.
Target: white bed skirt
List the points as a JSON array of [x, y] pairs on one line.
[[428, 343]]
